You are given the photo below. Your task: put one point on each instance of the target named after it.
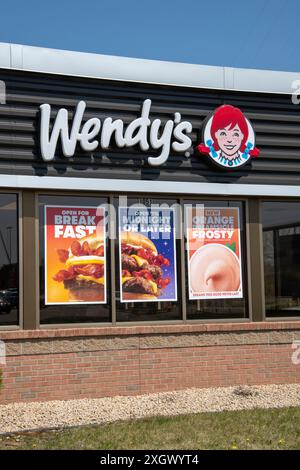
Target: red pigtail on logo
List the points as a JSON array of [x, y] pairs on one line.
[[202, 148], [255, 152]]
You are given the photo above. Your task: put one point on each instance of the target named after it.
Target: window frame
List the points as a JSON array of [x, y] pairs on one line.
[[19, 200], [248, 303], [180, 254], [253, 237], [276, 199], [47, 326]]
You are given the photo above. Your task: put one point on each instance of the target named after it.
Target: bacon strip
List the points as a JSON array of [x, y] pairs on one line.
[[85, 250], [93, 270], [146, 254]]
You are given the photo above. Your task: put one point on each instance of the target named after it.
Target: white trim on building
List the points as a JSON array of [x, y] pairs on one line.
[[82, 64], [160, 187]]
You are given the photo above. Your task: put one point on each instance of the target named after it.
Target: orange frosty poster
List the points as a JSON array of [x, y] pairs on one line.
[[214, 252], [74, 255]]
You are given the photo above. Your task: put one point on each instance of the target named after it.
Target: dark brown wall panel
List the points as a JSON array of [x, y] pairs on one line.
[[275, 119]]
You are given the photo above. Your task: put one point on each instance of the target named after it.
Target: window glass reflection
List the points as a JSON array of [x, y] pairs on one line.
[[281, 238], [9, 260], [148, 260], [77, 280], [220, 308]]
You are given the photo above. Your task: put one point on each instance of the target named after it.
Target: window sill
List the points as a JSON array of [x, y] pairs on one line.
[[148, 330]]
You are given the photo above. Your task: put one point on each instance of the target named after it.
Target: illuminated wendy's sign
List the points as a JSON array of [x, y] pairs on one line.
[[228, 136], [172, 135]]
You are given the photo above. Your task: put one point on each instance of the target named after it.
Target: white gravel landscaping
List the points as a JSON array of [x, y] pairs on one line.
[[62, 414]]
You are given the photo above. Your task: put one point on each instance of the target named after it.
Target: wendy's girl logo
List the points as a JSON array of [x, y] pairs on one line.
[[228, 138]]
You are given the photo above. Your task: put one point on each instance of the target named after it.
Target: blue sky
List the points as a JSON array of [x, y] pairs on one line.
[[252, 34]]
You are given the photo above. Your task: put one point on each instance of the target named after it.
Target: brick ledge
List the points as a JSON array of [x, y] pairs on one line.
[[147, 330]]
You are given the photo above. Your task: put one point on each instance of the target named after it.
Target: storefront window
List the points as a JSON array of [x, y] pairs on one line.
[[281, 236], [75, 271], [147, 260], [9, 260], [74, 261], [215, 260]]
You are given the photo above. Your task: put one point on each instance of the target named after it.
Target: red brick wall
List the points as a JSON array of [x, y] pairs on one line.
[[78, 363]]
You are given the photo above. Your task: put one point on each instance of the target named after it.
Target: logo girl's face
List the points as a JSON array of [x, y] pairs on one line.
[[229, 140]]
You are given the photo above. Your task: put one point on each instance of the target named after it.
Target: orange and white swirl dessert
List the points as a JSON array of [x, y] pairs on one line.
[[214, 268]]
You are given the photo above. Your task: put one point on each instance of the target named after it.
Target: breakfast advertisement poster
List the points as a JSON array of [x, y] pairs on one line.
[[147, 253], [75, 255], [214, 252]]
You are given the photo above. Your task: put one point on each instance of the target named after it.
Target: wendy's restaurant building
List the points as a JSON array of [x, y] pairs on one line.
[[149, 225]]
